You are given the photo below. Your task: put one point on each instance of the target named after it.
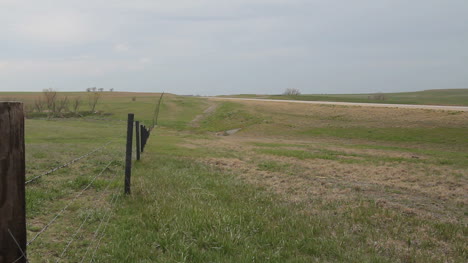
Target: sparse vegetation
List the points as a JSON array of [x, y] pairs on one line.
[[93, 100], [63, 104], [292, 92], [76, 104], [50, 98], [39, 104]]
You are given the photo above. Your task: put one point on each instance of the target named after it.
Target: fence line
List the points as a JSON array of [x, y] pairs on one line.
[[144, 135], [66, 206], [21, 254], [156, 112], [66, 164]]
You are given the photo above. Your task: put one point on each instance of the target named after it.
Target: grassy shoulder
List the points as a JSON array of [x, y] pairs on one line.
[[182, 210]]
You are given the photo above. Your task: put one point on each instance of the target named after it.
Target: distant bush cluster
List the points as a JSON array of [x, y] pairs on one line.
[[292, 92], [50, 104], [94, 89]]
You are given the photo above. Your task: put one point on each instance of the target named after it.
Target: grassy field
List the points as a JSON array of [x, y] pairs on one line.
[[297, 183], [427, 97]]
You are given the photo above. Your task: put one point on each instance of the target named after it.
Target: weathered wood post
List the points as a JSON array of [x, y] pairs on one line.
[[137, 142], [12, 186], [128, 153]]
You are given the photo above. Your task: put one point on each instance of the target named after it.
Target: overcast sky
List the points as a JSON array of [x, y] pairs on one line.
[[213, 47]]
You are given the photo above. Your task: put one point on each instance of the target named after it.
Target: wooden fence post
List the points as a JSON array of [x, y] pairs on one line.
[[12, 186], [137, 142], [128, 153]]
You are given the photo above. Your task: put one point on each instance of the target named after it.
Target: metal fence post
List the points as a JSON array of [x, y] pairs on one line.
[[137, 142], [145, 135], [128, 153], [12, 183], [142, 128]]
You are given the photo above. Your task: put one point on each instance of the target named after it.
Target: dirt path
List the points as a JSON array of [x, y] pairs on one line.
[[196, 121], [407, 106]]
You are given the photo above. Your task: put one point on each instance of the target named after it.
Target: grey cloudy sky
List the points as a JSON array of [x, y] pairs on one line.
[[234, 46]]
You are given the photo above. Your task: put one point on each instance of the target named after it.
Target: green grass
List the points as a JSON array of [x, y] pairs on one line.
[[273, 145], [324, 155], [184, 211], [274, 166], [440, 135], [458, 158], [174, 146]]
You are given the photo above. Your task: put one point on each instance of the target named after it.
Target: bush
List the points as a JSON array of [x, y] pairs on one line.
[[292, 92]]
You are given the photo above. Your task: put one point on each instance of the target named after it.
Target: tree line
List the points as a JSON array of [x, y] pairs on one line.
[[53, 104], [94, 89]]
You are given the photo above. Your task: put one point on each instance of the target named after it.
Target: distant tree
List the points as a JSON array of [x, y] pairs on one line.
[[111, 89], [39, 104], [62, 104], [88, 90], [292, 92], [50, 97], [93, 89], [76, 104], [93, 100], [100, 89]]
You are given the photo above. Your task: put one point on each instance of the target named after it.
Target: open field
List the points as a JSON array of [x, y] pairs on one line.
[[455, 97], [298, 183]]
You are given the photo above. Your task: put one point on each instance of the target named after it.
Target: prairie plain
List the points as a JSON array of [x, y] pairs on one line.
[[296, 183]]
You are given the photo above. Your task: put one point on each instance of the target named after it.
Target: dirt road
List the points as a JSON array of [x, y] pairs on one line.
[[408, 106]]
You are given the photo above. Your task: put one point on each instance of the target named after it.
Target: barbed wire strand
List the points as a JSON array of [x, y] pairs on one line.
[[82, 224], [103, 233], [66, 206], [66, 164], [96, 233], [19, 247], [73, 237]]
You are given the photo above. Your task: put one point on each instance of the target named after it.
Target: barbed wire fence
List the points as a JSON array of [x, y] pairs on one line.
[[66, 164], [13, 235], [156, 111]]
